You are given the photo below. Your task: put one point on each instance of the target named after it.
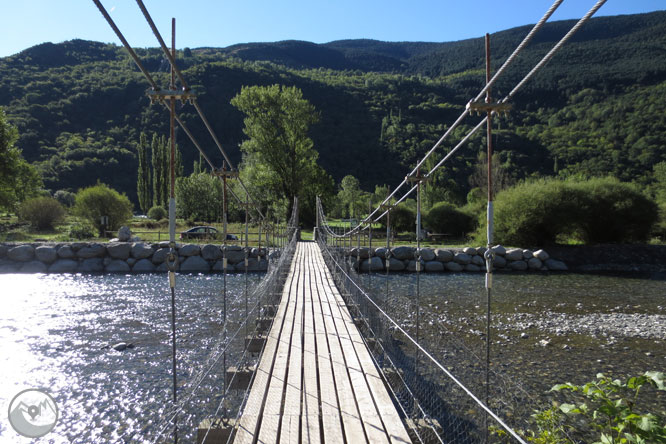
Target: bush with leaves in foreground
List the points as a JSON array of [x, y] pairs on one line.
[[605, 411], [43, 213], [157, 213], [602, 210], [94, 202], [444, 217]]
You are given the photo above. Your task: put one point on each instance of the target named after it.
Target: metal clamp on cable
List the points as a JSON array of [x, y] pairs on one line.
[[489, 256], [417, 257], [172, 264]]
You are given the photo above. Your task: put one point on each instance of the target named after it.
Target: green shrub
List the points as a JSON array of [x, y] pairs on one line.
[[43, 213], [157, 213], [444, 217], [594, 211], [65, 197], [403, 218], [97, 201], [81, 230]]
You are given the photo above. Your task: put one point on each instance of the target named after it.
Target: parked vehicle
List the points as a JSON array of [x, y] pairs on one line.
[[204, 232]]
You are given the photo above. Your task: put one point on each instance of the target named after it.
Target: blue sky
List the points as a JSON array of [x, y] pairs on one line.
[[222, 22]]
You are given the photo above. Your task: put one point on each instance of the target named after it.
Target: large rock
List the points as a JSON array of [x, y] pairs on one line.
[[381, 252], [258, 252], [3, 250], [91, 251], [518, 265], [92, 265], [143, 266], [33, 267], [252, 265], [235, 256], [262, 265], [473, 268], [427, 254], [499, 262], [372, 264], [555, 265], [444, 255], [411, 265], [363, 253], [434, 266], [8, 267], [46, 253], [469, 250], [396, 264], [124, 234], [66, 252], [195, 264], [528, 254], [462, 258], [219, 266], [478, 261], [64, 266], [499, 250], [453, 266], [403, 253], [515, 254], [141, 250], [188, 250], [160, 256], [534, 264], [542, 255], [120, 250], [211, 252], [117, 266], [22, 253]]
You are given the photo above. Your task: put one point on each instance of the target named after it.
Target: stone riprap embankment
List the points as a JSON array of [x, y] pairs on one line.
[[125, 257], [465, 259]]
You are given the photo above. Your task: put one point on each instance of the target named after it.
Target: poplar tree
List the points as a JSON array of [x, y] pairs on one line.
[[143, 184], [158, 171]]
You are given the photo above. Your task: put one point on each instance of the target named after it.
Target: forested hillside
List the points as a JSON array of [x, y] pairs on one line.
[[596, 109]]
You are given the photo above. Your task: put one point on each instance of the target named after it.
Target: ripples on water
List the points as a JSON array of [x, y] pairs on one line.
[[53, 333]]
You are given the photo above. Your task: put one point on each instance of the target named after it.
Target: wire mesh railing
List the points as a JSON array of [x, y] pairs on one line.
[[437, 382]]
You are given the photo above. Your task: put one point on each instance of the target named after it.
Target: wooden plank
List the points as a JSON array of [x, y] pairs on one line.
[[390, 418], [250, 419], [372, 422], [291, 412], [351, 419], [271, 416], [330, 409], [310, 428]]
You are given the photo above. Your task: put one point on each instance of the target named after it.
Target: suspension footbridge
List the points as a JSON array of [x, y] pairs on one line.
[[316, 381], [335, 366]]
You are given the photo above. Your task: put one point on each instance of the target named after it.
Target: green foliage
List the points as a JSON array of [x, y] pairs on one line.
[[351, 196], [199, 197], [278, 146], [144, 177], [94, 202], [157, 213], [66, 198], [43, 213], [613, 410], [81, 230], [403, 218], [542, 212], [18, 179], [444, 217]]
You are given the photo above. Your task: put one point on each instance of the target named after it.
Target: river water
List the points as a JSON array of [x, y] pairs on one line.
[[55, 329]]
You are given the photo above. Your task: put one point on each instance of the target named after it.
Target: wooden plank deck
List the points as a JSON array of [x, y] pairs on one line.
[[316, 381]]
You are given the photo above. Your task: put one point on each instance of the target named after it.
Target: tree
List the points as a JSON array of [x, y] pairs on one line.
[[143, 185], [350, 195], [94, 202], [159, 170], [276, 124], [199, 197], [43, 213], [18, 179]]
